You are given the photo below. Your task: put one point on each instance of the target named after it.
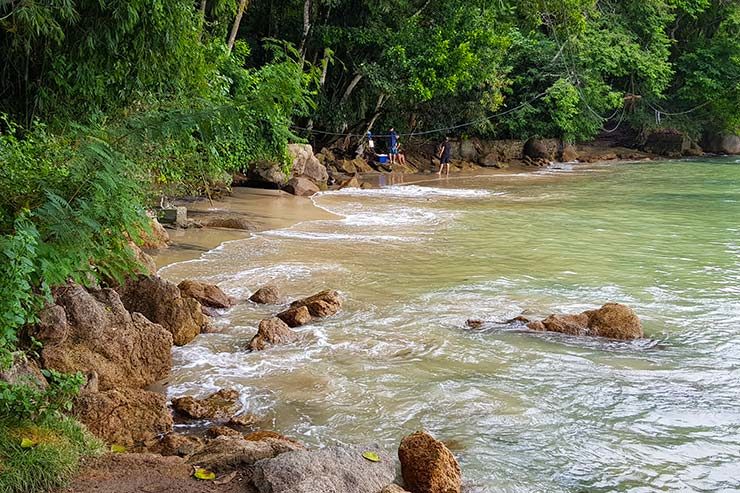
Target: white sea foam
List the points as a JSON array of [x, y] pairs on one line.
[[320, 236], [413, 191]]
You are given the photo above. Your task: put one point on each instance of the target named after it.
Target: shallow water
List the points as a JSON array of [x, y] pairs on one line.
[[522, 412]]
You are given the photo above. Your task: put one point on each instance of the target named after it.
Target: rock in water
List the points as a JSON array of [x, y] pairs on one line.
[[266, 295], [323, 304], [206, 294], [328, 470], [428, 466], [613, 321], [295, 317], [221, 405], [125, 417], [271, 331], [91, 331], [162, 302]]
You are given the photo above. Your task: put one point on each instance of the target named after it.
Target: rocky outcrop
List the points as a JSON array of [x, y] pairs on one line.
[[613, 321], [221, 405], [128, 417], [162, 302], [569, 153], [667, 142], [266, 295], [156, 238], [271, 331], [295, 317], [352, 182], [306, 164], [722, 144], [301, 186], [148, 266], [91, 331], [206, 294], [541, 149], [226, 453], [179, 445], [331, 469], [428, 466]]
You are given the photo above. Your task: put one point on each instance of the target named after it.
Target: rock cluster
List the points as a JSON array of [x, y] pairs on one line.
[[323, 304]]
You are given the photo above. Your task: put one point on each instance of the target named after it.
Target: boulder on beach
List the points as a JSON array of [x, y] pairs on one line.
[[613, 321], [428, 466], [541, 149], [127, 417], [295, 317], [722, 144], [162, 302], [223, 404], [301, 186], [331, 469], [569, 153], [266, 295], [91, 331], [206, 294], [271, 331]]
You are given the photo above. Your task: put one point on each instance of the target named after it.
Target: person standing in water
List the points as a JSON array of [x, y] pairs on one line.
[[444, 156], [394, 145]]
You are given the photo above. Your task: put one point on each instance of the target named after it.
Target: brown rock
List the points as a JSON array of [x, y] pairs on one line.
[[128, 417], [352, 182], [148, 266], [569, 153], [271, 331], [179, 445], [227, 453], [124, 350], [301, 186], [226, 221], [222, 431], [157, 238], [246, 419], [206, 294], [52, 325], [266, 295], [295, 317], [221, 405], [613, 320], [541, 149], [162, 302], [306, 164], [393, 488], [323, 304], [428, 466], [262, 435]]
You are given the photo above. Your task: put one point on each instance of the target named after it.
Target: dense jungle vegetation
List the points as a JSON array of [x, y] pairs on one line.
[[106, 104]]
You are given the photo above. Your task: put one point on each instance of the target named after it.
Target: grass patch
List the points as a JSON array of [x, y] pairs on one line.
[[58, 445]]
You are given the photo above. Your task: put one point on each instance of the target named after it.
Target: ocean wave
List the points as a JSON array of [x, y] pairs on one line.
[[413, 191]]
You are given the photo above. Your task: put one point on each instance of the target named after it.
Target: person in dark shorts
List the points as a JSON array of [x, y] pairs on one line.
[[393, 151], [445, 152]]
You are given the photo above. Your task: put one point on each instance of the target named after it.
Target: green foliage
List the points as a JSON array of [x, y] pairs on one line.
[[27, 402], [58, 445]]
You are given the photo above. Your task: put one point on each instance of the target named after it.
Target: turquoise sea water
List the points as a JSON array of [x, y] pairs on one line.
[[522, 412]]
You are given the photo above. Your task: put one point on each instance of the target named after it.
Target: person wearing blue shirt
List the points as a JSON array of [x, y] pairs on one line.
[[394, 145]]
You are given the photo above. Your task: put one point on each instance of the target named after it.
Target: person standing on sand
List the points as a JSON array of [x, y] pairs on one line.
[[444, 156], [393, 152]]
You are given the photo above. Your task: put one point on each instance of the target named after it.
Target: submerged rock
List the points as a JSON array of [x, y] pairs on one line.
[[221, 405], [224, 220], [428, 466], [271, 331], [91, 331], [331, 469], [613, 321], [206, 294], [128, 417], [266, 295], [162, 302]]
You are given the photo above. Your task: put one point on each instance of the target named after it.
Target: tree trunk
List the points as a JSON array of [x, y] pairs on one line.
[[203, 9], [237, 21], [351, 87], [306, 26]]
